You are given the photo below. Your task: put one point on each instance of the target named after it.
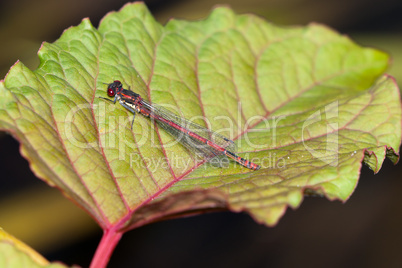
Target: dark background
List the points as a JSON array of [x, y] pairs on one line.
[[365, 231]]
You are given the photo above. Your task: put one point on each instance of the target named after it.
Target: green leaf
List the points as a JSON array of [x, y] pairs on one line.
[[304, 102], [14, 253]]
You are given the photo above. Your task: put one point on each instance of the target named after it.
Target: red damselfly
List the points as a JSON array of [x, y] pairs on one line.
[[211, 146]]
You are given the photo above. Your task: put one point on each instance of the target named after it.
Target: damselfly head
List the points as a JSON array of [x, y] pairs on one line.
[[113, 87]]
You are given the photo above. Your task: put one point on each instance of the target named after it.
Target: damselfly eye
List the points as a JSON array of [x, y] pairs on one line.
[[111, 92]]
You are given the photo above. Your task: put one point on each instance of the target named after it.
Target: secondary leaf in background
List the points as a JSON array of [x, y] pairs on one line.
[[310, 113], [14, 253]]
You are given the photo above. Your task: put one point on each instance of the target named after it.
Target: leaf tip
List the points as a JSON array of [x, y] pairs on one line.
[[15, 65]]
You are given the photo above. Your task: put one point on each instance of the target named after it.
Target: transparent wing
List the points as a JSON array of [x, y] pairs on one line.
[[187, 140]]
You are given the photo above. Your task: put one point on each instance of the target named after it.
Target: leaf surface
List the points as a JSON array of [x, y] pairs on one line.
[[14, 253], [304, 102]]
